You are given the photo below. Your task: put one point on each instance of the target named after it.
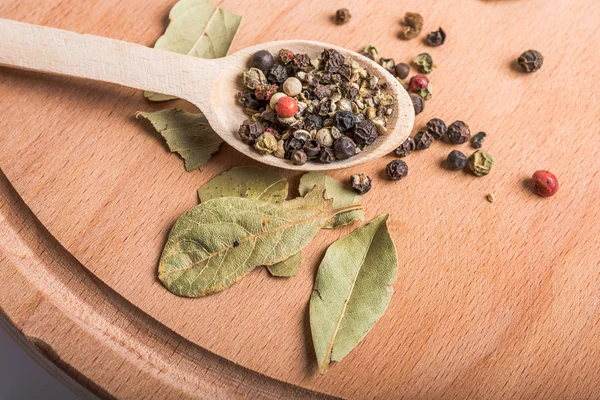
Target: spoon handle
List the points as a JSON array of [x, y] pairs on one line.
[[57, 51]]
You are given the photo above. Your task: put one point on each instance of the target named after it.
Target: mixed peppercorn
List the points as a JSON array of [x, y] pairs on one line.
[[324, 108]]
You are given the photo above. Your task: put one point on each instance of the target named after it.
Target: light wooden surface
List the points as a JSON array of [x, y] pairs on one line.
[[210, 85], [496, 300]]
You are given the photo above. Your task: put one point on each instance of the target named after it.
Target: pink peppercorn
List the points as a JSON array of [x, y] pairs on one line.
[[286, 107], [418, 82], [545, 183]]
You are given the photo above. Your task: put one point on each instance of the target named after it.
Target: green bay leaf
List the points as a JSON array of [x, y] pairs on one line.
[[352, 290], [188, 134], [287, 268], [341, 194], [221, 240], [199, 29], [250, 182]]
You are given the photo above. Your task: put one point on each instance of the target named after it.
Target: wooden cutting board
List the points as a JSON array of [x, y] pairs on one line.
[[497, 300]]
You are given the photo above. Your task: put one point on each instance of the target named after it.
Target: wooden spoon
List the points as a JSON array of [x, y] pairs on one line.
[[211, 85]]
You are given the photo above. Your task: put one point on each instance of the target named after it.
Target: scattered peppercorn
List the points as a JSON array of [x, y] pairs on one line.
[[458, 132], [262, 60], [436, 127], [531, 60], [490, 197], [361, 183], [418, 82], [387, 63], [423, 140], [425, 63], [413, 23], [342, 16], [396, 169], [456, 161], [402, 70], [477, 140], [480, 163], [436, 38], [418, 103], [369, 51], [545, 183], [344, 148], [407, 147]]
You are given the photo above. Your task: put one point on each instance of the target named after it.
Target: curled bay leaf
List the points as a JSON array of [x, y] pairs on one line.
[[288, 267], [352, 290], [188, 134], [199, 29], [221, 240], [250, 182], [341, 194]]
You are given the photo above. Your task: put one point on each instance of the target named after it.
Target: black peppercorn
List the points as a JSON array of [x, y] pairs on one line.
[[311, 148], [249, 131], [342, 16], [332, 60], [397, 169], [405, 148], [277, 74], [531, 60], [418, 103], [423, 140], [477, 140], [344, 120], [299, 157], [365, 133], [402, 70], [458, 132], [249, 100], [326, 155], [344, 148], [437, 128], [436, 38], [301, 62], [262, 60], [313, 121], [361, 183], [456, 161]]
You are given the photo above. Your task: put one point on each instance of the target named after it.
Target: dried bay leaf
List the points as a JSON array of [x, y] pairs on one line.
[[288, 267], [221, 240], [336, 190], [251, 182], [188, 134], [199, 29], [352, 290]]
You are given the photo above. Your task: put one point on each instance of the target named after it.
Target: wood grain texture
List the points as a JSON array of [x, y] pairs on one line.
[[496, 300], [210, 85]]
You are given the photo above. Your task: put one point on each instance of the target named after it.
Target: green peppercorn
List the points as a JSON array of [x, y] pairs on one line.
[[253, 77], [480, 163], [266, 143], [344, 148], [396, 170], [456, 161]]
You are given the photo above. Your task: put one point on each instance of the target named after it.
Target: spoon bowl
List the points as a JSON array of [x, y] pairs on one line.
[[211, 85]]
